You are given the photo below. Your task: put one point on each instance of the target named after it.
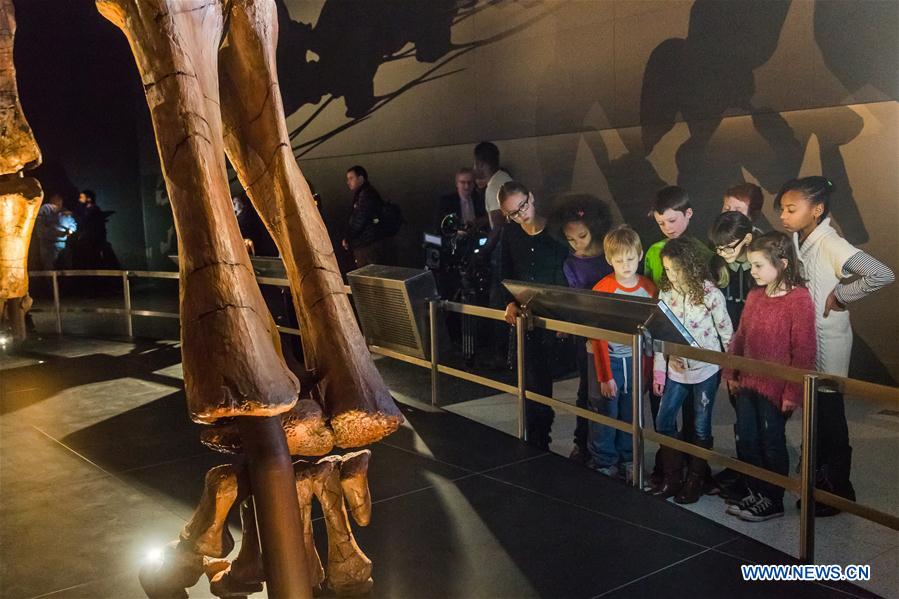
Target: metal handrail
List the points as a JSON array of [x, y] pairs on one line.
[[810, 380], [724, 360]]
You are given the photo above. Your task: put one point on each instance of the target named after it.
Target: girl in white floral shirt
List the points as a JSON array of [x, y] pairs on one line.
[[700, 306]]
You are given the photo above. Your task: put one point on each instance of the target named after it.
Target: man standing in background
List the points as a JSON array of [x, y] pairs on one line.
[[51, 232], [486, 166], [362, 234]]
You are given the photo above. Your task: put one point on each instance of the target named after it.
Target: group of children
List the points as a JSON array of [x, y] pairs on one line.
[[774, 296]]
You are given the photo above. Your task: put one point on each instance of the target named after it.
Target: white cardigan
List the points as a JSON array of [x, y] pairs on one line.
[[823, 255], [708, 323]]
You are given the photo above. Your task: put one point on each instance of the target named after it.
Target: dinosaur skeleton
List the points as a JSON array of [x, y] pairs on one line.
[[208, 72], [20, 196]]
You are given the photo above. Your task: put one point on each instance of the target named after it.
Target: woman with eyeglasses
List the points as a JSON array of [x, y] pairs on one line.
[[531, 253]]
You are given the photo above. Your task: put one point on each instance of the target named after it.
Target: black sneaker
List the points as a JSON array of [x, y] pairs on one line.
[[744, 504], [763, 509]]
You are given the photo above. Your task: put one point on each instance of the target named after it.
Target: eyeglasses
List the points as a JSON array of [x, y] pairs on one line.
[[729, 249], [514, 215]]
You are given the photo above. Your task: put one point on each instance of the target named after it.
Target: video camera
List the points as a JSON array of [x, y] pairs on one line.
[[456, 256]]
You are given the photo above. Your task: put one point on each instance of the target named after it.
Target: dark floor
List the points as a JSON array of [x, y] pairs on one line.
[[99, 465]]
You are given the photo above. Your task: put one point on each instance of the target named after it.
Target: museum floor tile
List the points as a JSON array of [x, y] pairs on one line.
[[99, 465]]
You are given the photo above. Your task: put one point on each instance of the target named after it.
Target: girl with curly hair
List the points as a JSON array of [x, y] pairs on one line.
[[582, 221], [700, 306]]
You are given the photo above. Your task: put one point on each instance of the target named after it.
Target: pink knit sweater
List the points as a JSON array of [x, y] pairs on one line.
[[776, 329]]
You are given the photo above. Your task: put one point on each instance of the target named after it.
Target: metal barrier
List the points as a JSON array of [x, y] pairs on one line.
[[810, 380]]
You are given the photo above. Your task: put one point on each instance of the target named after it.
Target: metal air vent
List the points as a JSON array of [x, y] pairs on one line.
[[392, 304]]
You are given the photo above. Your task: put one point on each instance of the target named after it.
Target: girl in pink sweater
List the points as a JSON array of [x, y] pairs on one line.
[[778, 325]]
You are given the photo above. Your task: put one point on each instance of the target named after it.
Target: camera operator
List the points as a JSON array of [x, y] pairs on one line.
[[468, 208], [460, 219], [462, 224]]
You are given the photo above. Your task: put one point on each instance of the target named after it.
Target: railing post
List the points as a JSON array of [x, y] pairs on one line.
[[126, 291], [433, 306], [807, 467], [637, 407], [56, 307], [520, 325]]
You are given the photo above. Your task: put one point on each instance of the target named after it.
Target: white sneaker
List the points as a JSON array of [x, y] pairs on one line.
[[610, 471]]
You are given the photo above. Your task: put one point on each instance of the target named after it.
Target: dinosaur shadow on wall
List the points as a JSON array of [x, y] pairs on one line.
[[351, 39], [705, 77], [340, 54]]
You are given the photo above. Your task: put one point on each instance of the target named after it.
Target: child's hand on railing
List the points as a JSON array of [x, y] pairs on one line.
[[512, 312]]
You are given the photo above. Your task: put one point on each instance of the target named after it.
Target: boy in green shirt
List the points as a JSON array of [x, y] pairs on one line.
[[672, 212]]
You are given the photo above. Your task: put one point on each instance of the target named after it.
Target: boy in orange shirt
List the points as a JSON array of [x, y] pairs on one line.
[[610, 449]]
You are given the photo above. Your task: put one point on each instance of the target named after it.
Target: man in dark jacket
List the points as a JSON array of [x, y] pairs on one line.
[[362, 235]]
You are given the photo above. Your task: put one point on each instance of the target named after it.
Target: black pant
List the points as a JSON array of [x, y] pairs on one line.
[[538, 370], [371, 253], [761, 439], [834, 454], [581, 355]]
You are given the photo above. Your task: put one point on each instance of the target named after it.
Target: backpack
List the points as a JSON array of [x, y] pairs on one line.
[[390, 220]]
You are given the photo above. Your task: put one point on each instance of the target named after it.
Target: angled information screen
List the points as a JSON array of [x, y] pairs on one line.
[[612, 311]]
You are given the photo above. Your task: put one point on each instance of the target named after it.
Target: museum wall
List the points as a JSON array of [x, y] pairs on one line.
[[615, 98]]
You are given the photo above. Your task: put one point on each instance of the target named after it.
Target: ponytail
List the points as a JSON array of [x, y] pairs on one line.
[[816, 190]]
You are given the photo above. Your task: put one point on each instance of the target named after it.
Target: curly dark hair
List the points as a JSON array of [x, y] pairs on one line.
[[776, 247], [692, 264], [580, 207]]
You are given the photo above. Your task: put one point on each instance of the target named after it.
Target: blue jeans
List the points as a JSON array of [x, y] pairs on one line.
[[609, 446], [761, 440], [703, 397]]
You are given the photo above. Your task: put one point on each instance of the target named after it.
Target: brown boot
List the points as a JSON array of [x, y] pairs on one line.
[[697, 473], [657, 475], [672, 461]]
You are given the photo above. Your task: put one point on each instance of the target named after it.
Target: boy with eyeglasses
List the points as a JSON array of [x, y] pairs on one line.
[[731, 234], [531, 253]]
